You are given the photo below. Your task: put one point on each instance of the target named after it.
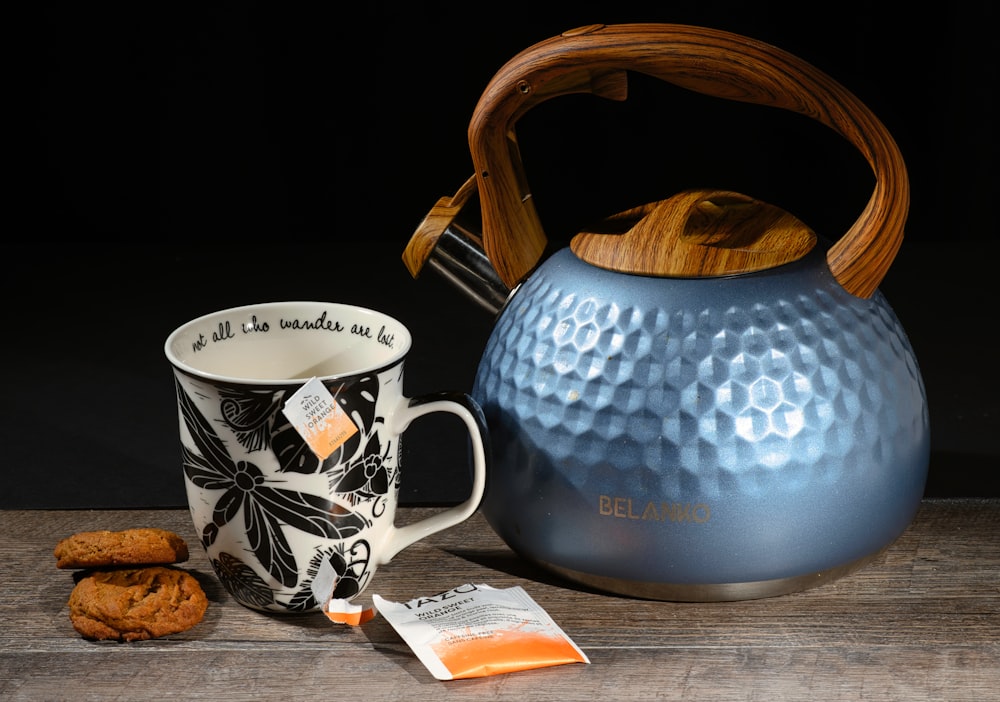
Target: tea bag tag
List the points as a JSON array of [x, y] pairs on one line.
[[318, 419], [338, 611]]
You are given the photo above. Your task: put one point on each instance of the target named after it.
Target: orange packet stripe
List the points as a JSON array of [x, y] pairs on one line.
[[504, 652]]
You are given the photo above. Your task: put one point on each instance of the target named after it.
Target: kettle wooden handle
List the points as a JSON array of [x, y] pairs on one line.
[[594, 60]]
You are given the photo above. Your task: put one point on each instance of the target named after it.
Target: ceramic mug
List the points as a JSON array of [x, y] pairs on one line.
[[291, 417]]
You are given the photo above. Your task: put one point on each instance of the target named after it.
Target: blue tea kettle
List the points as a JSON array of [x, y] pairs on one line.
[[698, 399]]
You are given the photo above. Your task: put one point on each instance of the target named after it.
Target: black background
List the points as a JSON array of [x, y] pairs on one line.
[[184, 158]]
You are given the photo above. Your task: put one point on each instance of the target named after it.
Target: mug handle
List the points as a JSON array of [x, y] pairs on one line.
[[469, 411]]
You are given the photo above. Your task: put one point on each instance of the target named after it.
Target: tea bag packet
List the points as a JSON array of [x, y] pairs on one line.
[[474, 631]]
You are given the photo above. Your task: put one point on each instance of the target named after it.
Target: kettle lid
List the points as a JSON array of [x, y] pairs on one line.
[[694, 234]]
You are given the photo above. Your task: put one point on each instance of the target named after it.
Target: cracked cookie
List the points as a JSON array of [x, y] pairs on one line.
[[134, 604]]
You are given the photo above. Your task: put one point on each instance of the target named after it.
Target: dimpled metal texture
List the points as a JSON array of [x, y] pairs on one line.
[[700, 431]]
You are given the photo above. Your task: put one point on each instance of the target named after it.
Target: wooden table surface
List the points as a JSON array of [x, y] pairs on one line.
[[921, 622]]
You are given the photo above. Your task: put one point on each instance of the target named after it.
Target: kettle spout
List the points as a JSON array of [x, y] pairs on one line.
[[447, 241]]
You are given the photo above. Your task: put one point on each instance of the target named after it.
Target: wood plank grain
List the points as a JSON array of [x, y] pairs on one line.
[[921, 622]]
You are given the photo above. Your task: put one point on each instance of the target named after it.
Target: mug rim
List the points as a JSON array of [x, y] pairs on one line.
[[185, 367]]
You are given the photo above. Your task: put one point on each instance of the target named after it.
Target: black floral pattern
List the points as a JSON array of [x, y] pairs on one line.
[[367, 476], [267, 507], [241, 580], [250, 415]]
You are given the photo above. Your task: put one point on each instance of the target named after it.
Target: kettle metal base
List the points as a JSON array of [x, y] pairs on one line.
[[712, 592]]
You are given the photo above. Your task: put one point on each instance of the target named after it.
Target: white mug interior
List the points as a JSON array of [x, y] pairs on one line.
[[273, 342]]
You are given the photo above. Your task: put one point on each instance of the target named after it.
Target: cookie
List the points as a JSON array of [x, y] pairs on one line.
[[96, 549], [134, 604]]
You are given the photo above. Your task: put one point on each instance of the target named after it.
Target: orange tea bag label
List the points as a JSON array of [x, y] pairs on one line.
[[338, 611], [320, 421], [473, 631], [345, 612]]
